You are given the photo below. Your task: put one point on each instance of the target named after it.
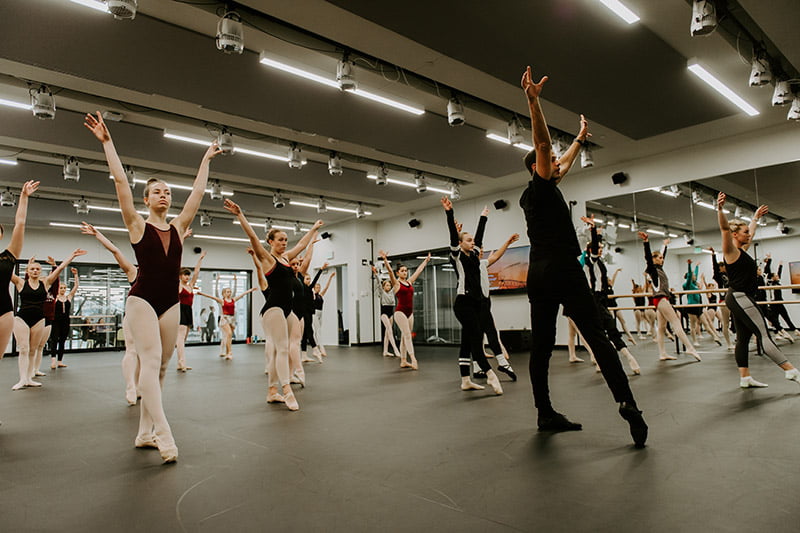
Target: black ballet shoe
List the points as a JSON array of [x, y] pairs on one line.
[[508, 371], [480, 374], [557, 422], [638, 426]]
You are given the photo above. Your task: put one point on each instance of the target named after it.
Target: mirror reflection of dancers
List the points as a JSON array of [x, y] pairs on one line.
[[61, 327], [469, 294], [227, 320], [319, 303], [778, 310], [697, 315], [724, 314], [661, 295], [29, 322], [555, 276], [308, 338], [130, 361], [403, 287], [611, 303], [278, 306], [388, 303], [597, 277], [186, 298], [152, 304], [8, 259], [638, 314], [741, 296]]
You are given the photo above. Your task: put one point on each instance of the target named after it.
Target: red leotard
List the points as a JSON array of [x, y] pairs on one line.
[[405, 299], [186, 297], [228, 308]]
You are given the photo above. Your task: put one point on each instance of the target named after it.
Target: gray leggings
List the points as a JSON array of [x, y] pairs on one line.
[[749, 321]]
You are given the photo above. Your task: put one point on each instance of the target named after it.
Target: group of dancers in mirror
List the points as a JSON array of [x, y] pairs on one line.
[[158, 314]]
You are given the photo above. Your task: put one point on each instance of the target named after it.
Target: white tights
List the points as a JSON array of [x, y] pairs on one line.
[[180, 345], [39, 352], [667, 314], [406, 325], [276, 347], [388, 337], [130, 364], [26, 338], [295, 336], [154, 338]]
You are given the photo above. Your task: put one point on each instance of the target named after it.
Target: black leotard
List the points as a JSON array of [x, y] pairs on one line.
[[298, 297], [265, 292], [61, 311], [31, 303], [7, 262], [280, 288], [158, 279]]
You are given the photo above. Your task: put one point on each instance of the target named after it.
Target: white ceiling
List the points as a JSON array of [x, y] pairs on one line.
[[162, 71]]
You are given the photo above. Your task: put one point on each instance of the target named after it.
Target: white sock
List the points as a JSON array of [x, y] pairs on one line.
[[793, 375], [748, 382]]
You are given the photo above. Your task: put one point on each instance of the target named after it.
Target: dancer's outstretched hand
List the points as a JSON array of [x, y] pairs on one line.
[[532, 90], [644, 236], [97, 126], [29, 188], [231, 207], [446, 203]]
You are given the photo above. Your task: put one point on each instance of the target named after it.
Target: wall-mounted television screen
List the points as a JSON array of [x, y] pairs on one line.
[[794, 274], [510, 273]]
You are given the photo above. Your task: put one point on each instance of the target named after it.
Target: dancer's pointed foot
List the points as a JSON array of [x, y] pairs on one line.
[[508, 371], [695, 355], [494, 382], [638, 427], [576, 360], [39, 374], [145, 441], [748, 382], [557, 422], [666, 357], [467, 384], [793, 375], [291, 401]]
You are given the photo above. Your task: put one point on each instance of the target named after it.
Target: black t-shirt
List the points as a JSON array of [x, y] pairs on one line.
[[550, 229], [742, 274]]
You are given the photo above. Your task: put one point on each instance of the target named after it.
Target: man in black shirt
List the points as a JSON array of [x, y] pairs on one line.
[[555, 276]]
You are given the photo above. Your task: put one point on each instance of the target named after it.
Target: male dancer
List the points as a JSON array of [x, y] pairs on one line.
[[555, 276]]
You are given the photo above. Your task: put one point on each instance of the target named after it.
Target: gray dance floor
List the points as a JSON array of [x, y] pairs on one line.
[[377, 448]]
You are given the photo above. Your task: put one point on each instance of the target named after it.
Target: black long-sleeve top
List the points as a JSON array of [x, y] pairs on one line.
[[777, 294], [720, 277], [656, 272], [596, 271], [466, 265]]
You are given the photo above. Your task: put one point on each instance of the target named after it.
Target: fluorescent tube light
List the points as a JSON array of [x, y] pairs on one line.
[[12, 162], [655, 232], [504, 139], [274, 226], [178, 186], [721, 88], [408, 108], [94, 4], [220, 238], [330, 208], [621, 11], [330, 82], [12, 103], [78, 226]]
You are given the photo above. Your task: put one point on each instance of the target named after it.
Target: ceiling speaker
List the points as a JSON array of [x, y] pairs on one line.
[[500, 204], [619, 178]]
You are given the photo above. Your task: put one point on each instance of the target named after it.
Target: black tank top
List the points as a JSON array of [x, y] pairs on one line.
[[32, 300], [62, 310], [7, 262], [742, 274], [280, 287]]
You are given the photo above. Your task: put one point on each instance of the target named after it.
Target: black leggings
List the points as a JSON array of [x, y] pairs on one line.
[[750, 321], [489, 329], [779, 311], [308, 332], [555, 281], [468, 313], [58, 338]]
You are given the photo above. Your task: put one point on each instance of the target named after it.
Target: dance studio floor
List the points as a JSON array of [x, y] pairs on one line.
[[374, 448]]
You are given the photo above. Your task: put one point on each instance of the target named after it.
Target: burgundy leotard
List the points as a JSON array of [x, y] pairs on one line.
[[159, 256], [185, 297], [405, 299], [228, 308]]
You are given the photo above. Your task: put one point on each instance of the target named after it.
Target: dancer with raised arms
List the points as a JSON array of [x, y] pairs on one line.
[[278, 306], [555, 276], [152, 304], [741, 296], [61, 326]]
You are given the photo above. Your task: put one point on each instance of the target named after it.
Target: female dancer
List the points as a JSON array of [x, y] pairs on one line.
[[712, 310], [778, 310], [49, 310], [319, 303], [227, 321], [61, 327], [152, 304], [308, 318], [467, 306], [697, 315], [186, 298], [666, 313], [278, 306], [29, 322], [388, 304], [403, 288], [297, 316], [741, 296], [612, 303], [639, 301], [130, 361], [8, 258], [724, 316]]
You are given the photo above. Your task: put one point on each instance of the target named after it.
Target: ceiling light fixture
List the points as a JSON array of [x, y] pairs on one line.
[[325, 79], [179, 186], [225, 142], [216, 190], [702, 73], [514, 134], [72, 171], [205, 219], [268, 224], [295, 159], [17, 105], [504, 139], [334, 164], [278, 201], [782, 94], [704, 18], [621, 10], [322, 207], [794, 111], [97, 5], [43, 103], [455, 112], [455, 191], [587, 159], [8, 161], [130, 174], [7, 198], [379, 174], [230, 33], [360, 213], [760, 73], [239, 149], [82, 206], [78, 226], [122, 9], [298, 203], [419, 182], [344, 74]]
